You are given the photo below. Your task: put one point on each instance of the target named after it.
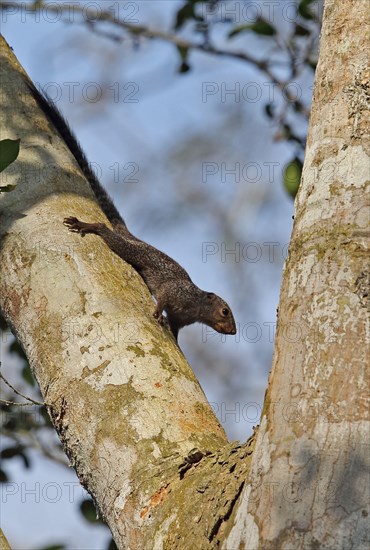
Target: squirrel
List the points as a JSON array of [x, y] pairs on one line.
[[175, 293]]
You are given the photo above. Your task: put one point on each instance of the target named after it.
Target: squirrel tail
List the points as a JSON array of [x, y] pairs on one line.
[[59, 122]]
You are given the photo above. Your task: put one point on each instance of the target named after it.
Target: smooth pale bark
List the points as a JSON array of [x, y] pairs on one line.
[[4, 544], [126, 405], [309, 475]]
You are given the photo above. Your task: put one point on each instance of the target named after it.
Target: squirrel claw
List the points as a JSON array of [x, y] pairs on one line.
[[159, 317], [73, 224], [70, 220]]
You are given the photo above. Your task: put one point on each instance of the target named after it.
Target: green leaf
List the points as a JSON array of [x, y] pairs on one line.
[[261, 27], [185, 13], [16, 348], [88, 511], [46, 419], [112, 545], [10, 452], [3, 477], [183, 51], [304, 9], [269, 110], [18, 451], [311, 63], [3, 324], [299, 30], [25, 459], [292, 176], [28, 376], [9, 150], [184, 65]]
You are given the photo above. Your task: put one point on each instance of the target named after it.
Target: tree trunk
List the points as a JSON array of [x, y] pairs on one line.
[[308, 485], [127, 407], [84, 320]]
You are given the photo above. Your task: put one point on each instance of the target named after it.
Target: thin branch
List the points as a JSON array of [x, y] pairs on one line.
[[91, 16], [31, 401], [14, 403]]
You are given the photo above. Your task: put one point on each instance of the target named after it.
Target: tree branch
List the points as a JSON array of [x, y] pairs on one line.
[[126, 405], [91, 16], [4, 544], [31, 401]]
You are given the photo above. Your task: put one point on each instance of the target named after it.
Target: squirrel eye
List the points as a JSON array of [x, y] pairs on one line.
[[225, 312]]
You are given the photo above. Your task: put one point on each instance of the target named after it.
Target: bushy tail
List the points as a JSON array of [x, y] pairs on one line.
[[62, 126]]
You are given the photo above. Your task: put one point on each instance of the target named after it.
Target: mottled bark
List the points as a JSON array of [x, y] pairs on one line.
[[125, 403], [309, 482], [4, 544]]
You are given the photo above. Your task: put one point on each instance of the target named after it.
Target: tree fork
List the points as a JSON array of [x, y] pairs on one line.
[[129, 411], [157, 462]]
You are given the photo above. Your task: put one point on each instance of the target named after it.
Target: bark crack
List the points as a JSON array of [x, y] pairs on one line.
[[224, 517]]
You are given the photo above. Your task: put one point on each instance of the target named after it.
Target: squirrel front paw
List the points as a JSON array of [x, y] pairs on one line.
[[73, 224]]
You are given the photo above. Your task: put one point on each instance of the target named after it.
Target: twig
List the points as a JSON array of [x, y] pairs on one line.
[[142, 30], [14, 403], [32, 401]]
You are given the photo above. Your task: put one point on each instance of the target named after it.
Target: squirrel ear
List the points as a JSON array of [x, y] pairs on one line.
[[210, 295]]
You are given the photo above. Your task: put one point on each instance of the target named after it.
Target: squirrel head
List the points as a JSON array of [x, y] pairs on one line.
[[216, 313]]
